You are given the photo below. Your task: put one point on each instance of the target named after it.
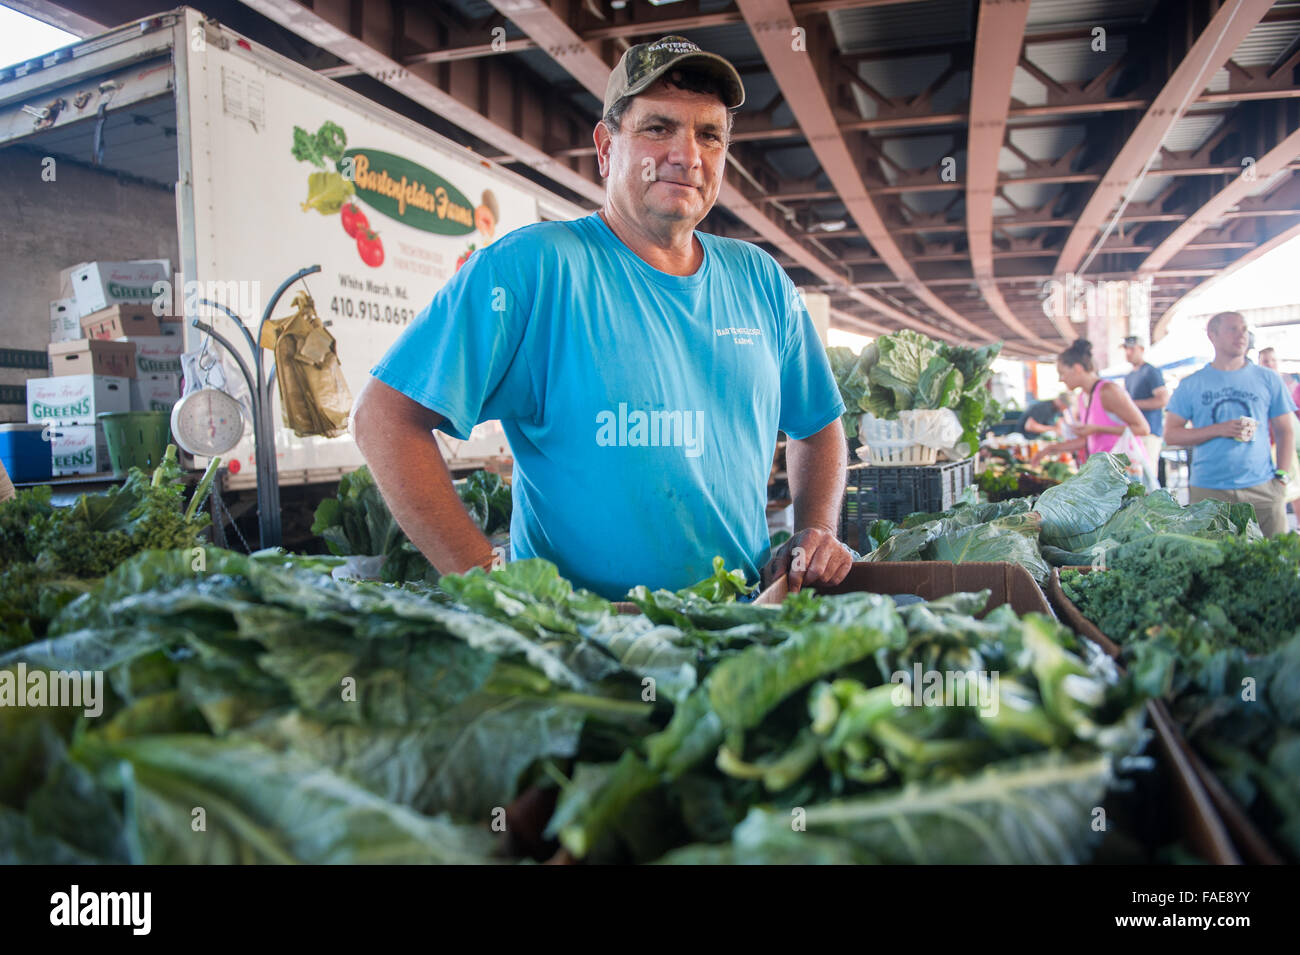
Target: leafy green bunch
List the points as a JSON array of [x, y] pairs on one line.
[[1235, 592], [318, 720], [1006, 531], [358, 522], [1241, 712], [48, 550], [487, 498], [327, 190], [852, 385], [98, 531], [808, 718], [906, 370]]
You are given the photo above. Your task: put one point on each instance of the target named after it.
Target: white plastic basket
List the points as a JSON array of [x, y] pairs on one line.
[[893, 443]]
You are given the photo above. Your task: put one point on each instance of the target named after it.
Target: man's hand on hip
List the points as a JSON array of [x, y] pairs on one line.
[[812, 556]]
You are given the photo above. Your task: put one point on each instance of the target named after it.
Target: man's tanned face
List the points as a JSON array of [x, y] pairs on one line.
[[665, 164], [1229, 334]]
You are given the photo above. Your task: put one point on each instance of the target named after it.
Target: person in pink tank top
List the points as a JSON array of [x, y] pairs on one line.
[[1105, 408]]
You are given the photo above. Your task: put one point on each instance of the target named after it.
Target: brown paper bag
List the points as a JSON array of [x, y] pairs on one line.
[[314, 397]]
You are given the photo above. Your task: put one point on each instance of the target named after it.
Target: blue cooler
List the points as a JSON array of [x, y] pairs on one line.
[[26, 455]]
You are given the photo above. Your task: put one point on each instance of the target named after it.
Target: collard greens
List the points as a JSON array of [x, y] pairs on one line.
[[908, 371], [319, 720]]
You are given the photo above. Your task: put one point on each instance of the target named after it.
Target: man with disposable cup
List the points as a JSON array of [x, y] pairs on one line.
[[1219, 410]]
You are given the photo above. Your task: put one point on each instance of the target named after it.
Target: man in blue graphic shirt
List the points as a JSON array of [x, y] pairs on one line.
[[641, 369], [1225, 410]]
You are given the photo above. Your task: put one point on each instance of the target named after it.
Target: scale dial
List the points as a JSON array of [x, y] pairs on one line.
[[207, 422]]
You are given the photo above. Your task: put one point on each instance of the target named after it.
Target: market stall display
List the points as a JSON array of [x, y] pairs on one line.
[[907, 371], [681, 727], [48, 554], [1005, 476], [1076, 522], [275, 696]]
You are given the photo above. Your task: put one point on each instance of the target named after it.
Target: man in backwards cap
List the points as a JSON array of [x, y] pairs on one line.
[[641, 369]]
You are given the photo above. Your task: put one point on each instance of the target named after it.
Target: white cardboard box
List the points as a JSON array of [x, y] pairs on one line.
[[64, 324], [76, 399], [79, 449], [157, 354], [155, 392], [97, 285]]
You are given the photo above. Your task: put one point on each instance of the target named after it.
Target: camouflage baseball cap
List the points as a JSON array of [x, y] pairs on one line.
[[642, 65]]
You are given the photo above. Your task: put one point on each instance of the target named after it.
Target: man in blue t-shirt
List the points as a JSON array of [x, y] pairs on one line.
[[1225, 410], [1145, 384], [641, 369]]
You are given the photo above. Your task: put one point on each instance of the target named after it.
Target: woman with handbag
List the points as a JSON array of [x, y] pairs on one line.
[[1108, 420]]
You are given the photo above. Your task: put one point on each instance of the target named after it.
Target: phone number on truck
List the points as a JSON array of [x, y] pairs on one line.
[[370, 311]]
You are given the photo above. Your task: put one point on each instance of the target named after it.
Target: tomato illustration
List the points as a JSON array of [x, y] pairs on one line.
[[371, 249], [354, 220], [464, 257]]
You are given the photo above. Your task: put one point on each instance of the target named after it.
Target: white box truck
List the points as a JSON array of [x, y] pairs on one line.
[[273, 168]]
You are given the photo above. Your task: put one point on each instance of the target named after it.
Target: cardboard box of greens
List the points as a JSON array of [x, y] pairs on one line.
[[98, 285], [84, 356], [1012, 584], [79, 449], [155, 392], [76, 399], [930, 579], [157, 354], [121, 321], [64, 325]]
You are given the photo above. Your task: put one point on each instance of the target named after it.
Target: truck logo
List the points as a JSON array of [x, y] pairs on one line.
[[409, 193]]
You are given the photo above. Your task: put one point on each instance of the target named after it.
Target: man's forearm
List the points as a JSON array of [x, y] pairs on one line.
[[412, 476], [815, 468], [1150, 404], [1285, 442]]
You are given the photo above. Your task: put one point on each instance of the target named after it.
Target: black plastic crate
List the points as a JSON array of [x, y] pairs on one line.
[[873, 493]]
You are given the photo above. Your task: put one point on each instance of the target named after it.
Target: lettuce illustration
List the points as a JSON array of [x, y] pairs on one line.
[[326, 192]]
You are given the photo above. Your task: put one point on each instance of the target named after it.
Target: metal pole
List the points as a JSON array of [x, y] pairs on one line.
[[265, 532], [268, 489], [269, 523]]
